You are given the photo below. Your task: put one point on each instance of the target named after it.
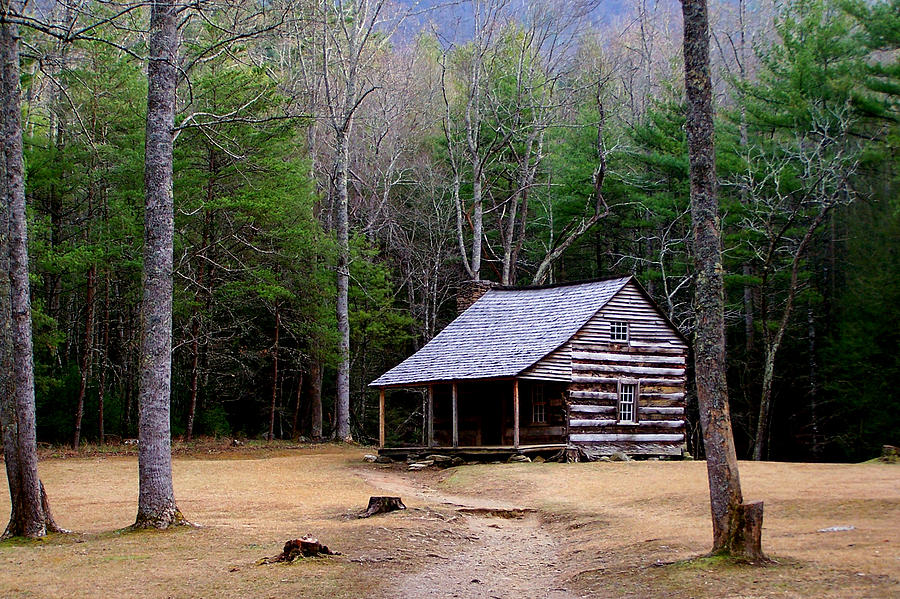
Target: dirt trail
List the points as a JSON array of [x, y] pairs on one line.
[[495, 556]]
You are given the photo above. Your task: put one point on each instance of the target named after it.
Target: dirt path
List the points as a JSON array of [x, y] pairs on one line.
[[502, 550]]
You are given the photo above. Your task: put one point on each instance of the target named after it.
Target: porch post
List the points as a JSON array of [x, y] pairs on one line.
[[430, 416], [381, 417], [455, 419], [516, 413]]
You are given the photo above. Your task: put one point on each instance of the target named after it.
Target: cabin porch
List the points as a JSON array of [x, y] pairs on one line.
[[489, 416]]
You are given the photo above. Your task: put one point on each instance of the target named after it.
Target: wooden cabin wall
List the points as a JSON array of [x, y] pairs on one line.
[[645, 324], [593, 400], [629, 304], [654, 358], [555, 366]]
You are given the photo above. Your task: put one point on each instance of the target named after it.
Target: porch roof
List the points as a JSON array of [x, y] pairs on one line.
[[503, 333]]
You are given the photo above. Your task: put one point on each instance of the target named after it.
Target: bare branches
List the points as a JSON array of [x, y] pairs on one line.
[[575, 229]]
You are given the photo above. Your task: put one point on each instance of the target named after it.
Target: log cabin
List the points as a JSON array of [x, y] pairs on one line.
[[594, 367]]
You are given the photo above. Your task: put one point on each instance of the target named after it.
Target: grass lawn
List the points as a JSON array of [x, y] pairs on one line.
[[614, 529]]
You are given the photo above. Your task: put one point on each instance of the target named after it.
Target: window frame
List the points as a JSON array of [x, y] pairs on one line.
[[613, 338], [635, 388]]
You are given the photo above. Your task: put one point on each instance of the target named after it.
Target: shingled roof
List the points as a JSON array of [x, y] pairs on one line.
[[503, 333]]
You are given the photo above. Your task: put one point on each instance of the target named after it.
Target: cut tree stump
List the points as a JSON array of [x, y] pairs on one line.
[[382, 505], [748, 543], [295, 549]]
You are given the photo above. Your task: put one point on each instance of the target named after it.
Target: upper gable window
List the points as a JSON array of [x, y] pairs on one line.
[[618, 331]]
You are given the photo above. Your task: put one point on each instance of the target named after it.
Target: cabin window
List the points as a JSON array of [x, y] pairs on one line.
[[627, 402], [618, 331], [538, 405]]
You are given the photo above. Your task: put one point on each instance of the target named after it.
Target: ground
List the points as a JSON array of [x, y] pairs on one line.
[[496, 530]]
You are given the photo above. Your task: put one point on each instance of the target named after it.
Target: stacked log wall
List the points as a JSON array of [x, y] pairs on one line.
[[629, 304], [555, 366], [654, 358]]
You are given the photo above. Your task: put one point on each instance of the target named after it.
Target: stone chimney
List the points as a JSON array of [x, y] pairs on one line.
[[469, 292]]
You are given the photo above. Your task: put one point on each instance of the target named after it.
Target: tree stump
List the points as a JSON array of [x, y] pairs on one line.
[[381, 505], [748, 542], [295, 549]]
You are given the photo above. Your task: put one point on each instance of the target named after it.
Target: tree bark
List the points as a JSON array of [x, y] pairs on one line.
[[734, 524], [101, 395], [342, 404], [271, 435], [477, 220], [156, 497], [294, 420], [195, 320], [195, 376], [29, 511], [86, 355], [315, 400], [813, 381], [765, 403]]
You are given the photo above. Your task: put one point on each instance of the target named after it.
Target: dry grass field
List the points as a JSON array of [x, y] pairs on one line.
[[570, 530]]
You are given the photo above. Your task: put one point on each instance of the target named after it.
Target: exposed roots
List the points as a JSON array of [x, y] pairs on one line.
[[160, 521]]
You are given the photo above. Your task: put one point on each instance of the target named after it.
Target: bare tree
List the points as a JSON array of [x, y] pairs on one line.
[[737, 526], [350, 36], [644, 58], [30, 512], [315, 399], [156, 498], [573, 231], [786, 218], [503, 90], [468, 146], [270, 436]]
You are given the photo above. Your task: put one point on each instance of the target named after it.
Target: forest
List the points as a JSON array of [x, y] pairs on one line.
[[341, 167]]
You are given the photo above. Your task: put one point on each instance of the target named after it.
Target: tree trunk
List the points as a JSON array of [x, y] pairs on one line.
[[342, 402], [195, 376], [747, 269], [101, 396], [271, 435], [86, 355], [315, 400], [195, 316], [156, 497], [813, 382], [294, 429], [748, 313], [28, 516], [382, 505], [736, 527], [765, 403], [477, 220], [773, 343]]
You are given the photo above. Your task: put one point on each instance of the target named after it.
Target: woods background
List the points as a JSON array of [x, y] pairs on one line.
[[408, 148]]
